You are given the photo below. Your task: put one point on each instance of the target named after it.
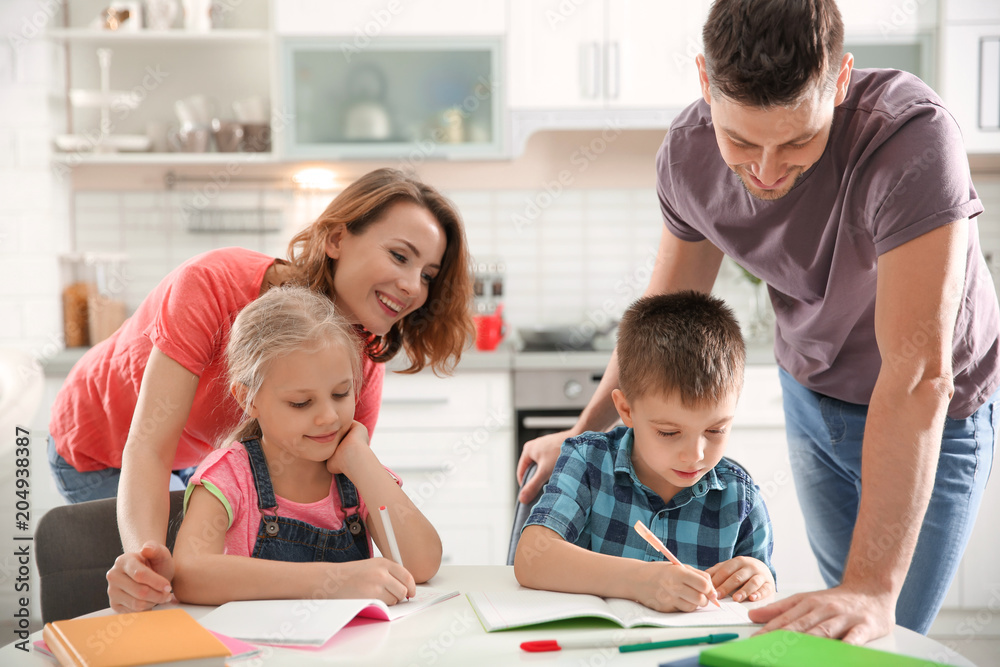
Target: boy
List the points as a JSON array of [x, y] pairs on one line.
[[681, 358]]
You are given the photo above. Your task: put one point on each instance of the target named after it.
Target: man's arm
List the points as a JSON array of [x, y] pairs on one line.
[[680, 265], [918, 293]]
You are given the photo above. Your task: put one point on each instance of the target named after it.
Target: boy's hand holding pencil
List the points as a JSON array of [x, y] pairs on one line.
[[654, 541]]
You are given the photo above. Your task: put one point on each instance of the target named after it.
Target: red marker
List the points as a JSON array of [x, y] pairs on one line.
[[544, 645]]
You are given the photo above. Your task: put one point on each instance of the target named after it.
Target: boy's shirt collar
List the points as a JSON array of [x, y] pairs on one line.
[[624, 470]]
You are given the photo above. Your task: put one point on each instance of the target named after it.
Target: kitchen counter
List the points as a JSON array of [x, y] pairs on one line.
[[504, 358]]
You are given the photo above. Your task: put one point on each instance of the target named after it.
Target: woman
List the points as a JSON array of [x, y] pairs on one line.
[[389, 251]]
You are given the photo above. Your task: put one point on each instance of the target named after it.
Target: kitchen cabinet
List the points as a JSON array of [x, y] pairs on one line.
[[629, 54], [970, 61], [414, 98], [888, 17], [367, 20], [758, 443], [451, 441]]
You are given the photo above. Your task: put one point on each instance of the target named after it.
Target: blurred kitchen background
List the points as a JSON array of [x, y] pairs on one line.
[[137, 134]]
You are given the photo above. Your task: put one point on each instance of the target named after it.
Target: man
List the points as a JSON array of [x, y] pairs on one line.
[[849, 193]]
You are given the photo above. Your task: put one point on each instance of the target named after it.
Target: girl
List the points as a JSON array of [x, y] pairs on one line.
[[152, 398], [297, 483]]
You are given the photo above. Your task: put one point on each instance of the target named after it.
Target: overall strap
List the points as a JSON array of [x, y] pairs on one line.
[[349, 502], [266, 502]]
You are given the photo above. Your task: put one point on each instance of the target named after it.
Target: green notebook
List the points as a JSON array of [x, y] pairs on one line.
[[782, 648]]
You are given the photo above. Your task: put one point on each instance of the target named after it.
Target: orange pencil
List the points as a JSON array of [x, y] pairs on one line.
[[654, 541]]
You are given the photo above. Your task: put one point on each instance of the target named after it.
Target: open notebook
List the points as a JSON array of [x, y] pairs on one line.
[[515, 609], [308, 622]]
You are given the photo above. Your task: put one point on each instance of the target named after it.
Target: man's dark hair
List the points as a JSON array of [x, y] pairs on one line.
[[766, 53], [685, 342]]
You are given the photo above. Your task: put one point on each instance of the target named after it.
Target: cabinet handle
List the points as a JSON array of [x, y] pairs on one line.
[[429, 400], [404, 469], [614, 71], [548, 422], [596, 50], [590, 70]]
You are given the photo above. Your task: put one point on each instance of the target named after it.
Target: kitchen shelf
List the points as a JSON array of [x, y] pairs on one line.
[[163, 158], [155, 36]]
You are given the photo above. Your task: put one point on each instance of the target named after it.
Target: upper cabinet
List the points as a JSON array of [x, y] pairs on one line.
[[970, 81], [366, 21], [610, 54], [411, 98], [611, 64]]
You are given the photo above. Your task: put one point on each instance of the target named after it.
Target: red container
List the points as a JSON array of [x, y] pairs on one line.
[[490, 330]]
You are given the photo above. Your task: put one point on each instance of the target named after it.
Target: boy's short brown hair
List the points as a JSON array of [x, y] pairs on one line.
[[688, 342]]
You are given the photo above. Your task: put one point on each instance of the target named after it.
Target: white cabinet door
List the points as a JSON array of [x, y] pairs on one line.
[[980, 584], [764, 453], [759, 444], [972, 95], [650, 53], [887, 18], [555, 54], [451, 441], [368, 19]]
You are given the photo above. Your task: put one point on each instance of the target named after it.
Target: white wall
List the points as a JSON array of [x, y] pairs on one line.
[[33, 230]]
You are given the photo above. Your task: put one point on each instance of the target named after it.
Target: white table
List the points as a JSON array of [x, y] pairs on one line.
[[450, 633]]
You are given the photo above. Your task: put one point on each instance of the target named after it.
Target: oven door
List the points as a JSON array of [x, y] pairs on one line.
[[533, 424]]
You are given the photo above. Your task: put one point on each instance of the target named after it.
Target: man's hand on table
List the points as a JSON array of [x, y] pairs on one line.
[[840, 613]]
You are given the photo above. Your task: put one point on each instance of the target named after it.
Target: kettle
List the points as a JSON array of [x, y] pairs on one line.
[[367, 118], [367, 121]]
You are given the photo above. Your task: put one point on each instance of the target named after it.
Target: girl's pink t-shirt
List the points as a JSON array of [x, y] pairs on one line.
[[188, 317], [228, 471]]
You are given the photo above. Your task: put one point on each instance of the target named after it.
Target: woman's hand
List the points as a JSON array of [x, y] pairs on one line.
[[139, 581], [544, 451], [744, 577]]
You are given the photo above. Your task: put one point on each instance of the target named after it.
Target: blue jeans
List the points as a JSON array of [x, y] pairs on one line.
[[77, 487], [824, 445]]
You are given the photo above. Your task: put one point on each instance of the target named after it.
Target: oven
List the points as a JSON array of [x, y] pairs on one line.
[[549, 397]]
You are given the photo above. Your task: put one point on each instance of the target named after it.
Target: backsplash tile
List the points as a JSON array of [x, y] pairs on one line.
[[570, 256]]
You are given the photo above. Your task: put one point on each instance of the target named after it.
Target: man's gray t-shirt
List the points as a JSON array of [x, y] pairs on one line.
[[894, 168]]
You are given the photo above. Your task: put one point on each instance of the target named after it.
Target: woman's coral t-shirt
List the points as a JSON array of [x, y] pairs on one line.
[[188, 317]]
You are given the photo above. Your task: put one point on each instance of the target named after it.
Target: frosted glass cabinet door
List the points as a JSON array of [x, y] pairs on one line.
[[414, 99]]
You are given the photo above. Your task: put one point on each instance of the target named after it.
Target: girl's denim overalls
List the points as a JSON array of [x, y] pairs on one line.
[[281, 538]]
